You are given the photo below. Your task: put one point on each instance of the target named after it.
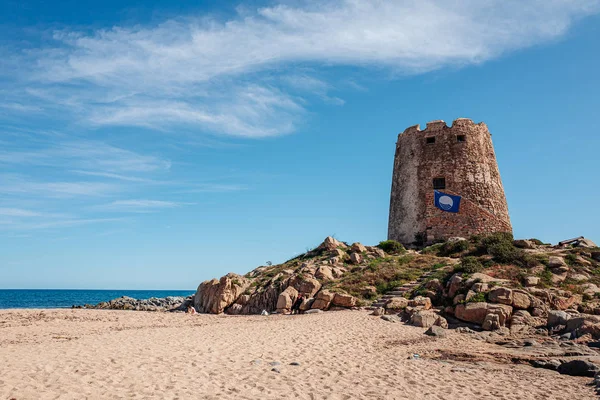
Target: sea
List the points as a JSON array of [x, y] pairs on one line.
[[57, 298]]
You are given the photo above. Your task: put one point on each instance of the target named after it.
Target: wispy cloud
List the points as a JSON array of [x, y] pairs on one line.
[[230, 76], [18, 185], [139, 205], [84, 154]]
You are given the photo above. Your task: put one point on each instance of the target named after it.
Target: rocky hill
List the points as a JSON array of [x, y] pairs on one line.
[[493, 282]]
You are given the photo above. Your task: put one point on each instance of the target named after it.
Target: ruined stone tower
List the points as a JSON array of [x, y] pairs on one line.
[[457, 160]]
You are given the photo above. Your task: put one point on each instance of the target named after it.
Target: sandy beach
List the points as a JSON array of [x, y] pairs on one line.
[[75, 354]]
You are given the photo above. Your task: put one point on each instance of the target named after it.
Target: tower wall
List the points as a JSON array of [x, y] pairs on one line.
[[463, 155]]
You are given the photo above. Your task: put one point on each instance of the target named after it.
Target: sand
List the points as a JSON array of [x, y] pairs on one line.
[[95, 354]]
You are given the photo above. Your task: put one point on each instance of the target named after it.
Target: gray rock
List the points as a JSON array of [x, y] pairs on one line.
[[274, 363], [276, 370], [436, 331], [556, 318], [391, 318], [313, 311], [546, 364], [578, 368], [295, 363]]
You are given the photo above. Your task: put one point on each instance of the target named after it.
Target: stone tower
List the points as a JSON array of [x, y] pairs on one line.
[[457, 160]]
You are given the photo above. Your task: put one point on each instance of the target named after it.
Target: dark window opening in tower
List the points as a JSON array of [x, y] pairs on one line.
[[439, 183], [461, 138], [430, 140]]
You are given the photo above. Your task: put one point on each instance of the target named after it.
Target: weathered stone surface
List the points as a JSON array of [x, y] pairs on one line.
[[170, 303], [369, 291], [502, 310], [391, 318], [471, 312], [458, 298], [474, 175], [556, 318], [420, 301], [344, 300], [286, 299], [325, 273], [307, 304], [424, 319], [501, 295], [480, 287], [396, 304], [524, 244], [531, 281], [313, 311], [306, 285], [358, 248], [557, 264], [587, 243], [454, 285], [434, 285], [590, 289], [491, 322], [323, 300], [578, 368], [330, 244], [376, 251], [378, 311], [214, 296], [596, 255], [521, 299], [436, 331], [356, 258]]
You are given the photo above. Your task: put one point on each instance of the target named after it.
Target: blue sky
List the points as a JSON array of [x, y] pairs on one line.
[[152, 144]]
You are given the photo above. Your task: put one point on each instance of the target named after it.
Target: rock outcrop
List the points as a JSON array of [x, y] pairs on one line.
[[216, 295]]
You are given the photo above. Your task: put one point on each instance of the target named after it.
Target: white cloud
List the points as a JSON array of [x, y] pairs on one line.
[[218, 76], [85, 154], [15, 185], [139, 205]]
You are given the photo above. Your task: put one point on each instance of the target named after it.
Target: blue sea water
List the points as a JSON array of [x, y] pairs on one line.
[[51, 298]]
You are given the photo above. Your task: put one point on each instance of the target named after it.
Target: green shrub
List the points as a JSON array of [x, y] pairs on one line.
[[478, 298], [571, 259], [391, 247], [469, 265], [537, 241], [450, 248], [433, 249]]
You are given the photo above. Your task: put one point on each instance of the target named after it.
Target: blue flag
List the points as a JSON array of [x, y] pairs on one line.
[[446, 202]]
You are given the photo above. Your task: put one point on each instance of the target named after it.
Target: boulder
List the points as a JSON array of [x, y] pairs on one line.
[[286, 299], [378, 311], [330, 244], [578, 368], [324, 272], [214, 296], [590, 289], [358, 248], [436, 331], [356, 258], [491, 322], [502, 310], [420, 301], [344, 300], [306, 285], [521, 299], [307, 304], [479, 277], [587, 243], [434, 285], [396, 304], [579, 277], [558, 278], [454, 285], [531, 281], [471, 312], [524, 244], [323, 300], [556, 318], [376, 251], [596, 255], [424, 319], [557, 264], [391, 318], [501, 295], [470, 294]]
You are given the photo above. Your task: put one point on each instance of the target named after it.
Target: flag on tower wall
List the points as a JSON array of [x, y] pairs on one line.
[[446, 202]]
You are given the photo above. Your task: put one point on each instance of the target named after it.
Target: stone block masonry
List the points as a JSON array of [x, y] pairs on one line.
[[458, 160]]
